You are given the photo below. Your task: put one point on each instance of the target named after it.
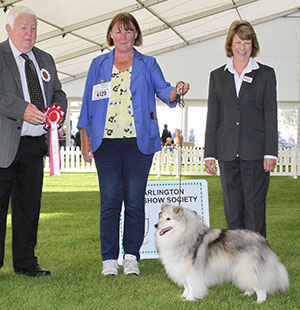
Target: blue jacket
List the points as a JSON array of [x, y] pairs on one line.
[[146, 80]]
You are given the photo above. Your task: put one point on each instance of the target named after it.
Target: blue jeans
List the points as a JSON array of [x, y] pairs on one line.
[[123, 172]]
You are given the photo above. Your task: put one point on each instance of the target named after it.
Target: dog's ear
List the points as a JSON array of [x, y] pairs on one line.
[[178, 209], [164, 205]]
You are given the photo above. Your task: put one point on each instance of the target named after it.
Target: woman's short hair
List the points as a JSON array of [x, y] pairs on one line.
[[126, 20], [16, 11], [245, 31]]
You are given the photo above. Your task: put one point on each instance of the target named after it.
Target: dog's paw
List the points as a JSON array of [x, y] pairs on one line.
[[185, 293], [248, 293], [193, 297], [190, 298], [261, 296]]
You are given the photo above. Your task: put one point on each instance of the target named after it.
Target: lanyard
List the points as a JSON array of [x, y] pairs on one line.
[[181, 103]]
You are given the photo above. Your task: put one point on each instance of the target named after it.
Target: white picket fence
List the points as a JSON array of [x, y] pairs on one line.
[[166, 162]]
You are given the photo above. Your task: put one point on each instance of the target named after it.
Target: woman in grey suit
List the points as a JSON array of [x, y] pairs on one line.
[[241, 129]]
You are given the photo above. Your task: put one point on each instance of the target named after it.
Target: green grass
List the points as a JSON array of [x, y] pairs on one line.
[[68, 244]]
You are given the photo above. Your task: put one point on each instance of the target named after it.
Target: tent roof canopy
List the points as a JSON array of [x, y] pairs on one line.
[[74, 31]]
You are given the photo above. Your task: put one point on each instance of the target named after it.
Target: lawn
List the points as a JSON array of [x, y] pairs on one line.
[[68, 244]]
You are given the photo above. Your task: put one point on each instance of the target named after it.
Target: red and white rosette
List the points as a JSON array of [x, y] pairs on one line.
[[53, 116]]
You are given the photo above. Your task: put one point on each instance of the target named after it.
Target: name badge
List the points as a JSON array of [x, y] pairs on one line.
[[248, 79], [101, 91]]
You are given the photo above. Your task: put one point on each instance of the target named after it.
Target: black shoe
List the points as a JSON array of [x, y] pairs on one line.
[[36, 271]]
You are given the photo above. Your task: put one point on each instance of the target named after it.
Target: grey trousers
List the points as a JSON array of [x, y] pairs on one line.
[[245, 186]]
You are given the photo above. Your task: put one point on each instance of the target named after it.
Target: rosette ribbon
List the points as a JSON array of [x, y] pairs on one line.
[[53, 116]]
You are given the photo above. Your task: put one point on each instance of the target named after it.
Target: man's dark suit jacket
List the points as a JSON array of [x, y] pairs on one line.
[[12, 103], [244, 125]]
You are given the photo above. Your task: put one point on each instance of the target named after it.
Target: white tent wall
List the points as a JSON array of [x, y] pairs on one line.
[[279, 48], [279, 41]]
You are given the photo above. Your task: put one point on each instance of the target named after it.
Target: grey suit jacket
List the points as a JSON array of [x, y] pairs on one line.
[[244, 125], [12, 103]]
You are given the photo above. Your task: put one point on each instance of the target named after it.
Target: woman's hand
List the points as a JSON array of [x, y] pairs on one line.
[[210, 166], [180, 89], [269, 164], [86, 149]]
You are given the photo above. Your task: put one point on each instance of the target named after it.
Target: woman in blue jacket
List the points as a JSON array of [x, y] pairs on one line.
[[119, 128]]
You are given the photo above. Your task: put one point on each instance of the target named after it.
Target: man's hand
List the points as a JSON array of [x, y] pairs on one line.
[[33, 115]]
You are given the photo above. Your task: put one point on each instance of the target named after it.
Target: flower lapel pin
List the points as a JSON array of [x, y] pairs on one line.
[[45, 75]]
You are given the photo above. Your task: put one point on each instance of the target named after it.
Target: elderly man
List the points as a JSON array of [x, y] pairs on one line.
[[28, 83]]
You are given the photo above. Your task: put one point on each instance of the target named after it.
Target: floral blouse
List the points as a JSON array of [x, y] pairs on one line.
[[119, 118]]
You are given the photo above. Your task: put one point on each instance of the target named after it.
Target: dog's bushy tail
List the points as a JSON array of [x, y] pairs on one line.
[[283, 283], [275, 276]]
